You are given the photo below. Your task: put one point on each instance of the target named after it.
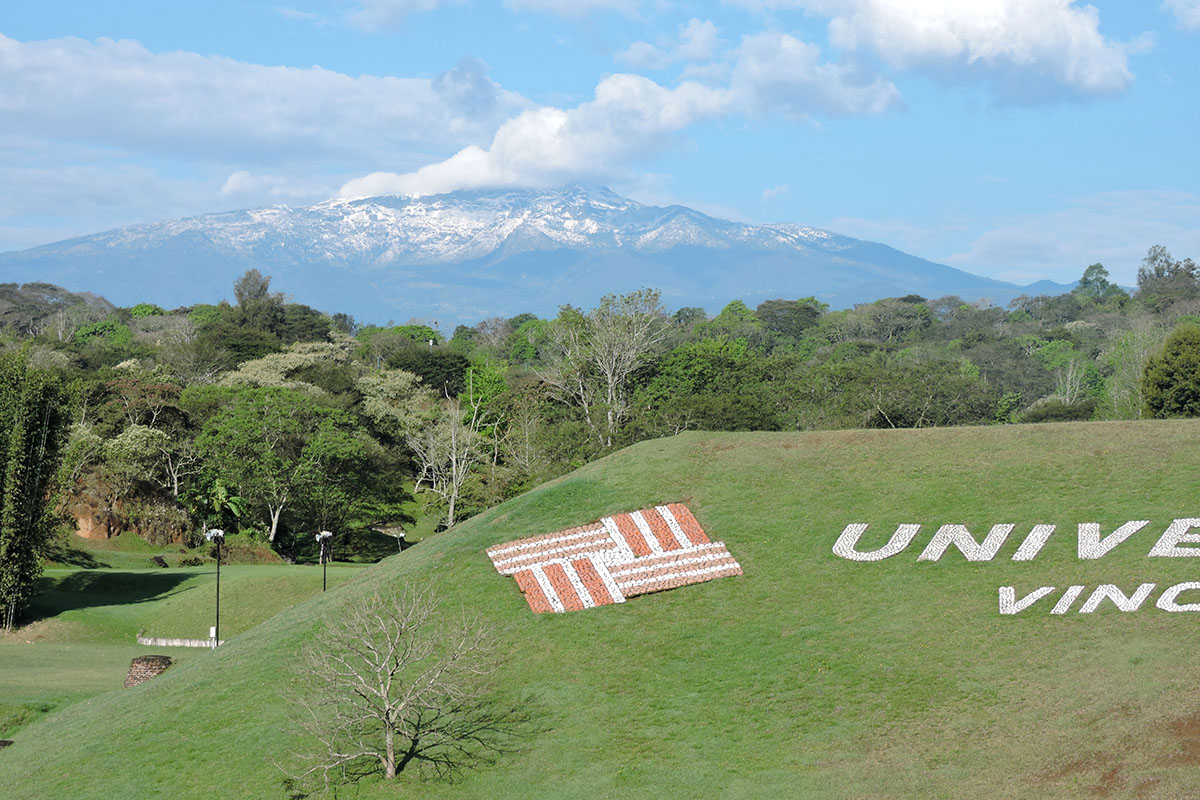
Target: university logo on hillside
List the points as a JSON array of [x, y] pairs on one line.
[[617, 557]]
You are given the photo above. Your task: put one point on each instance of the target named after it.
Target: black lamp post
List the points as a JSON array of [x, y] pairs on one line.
[[323, 538], [217, 535]]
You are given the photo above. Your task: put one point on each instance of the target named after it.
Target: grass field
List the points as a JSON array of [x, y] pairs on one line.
[[86, 623], [811, 676]]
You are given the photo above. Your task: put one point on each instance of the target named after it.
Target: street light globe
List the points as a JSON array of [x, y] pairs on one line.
[[214, 533]]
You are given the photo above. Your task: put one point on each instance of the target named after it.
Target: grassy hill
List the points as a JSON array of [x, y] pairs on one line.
[[85, 622], [811, 676]]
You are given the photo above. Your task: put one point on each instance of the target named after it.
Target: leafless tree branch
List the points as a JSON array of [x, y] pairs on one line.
[[389, 686]]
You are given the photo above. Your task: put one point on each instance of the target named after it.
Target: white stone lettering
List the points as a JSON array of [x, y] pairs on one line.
[[845, 545], [1092, 546], [1118, 597], [1167, 601], [1009, 604], [1033, 543], [1067, 600], [1176, 534], [960, 537]]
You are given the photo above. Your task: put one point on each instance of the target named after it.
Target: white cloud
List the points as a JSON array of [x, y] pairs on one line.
[[1114, 228], [190, 106], [1028, 49], [921, 240], [1187, 12], [771, 192], [632, 117], [775, 71], [278, 188], [697, 41], [58, 200], [643, 55], [373, 15], [287, 12], [575, 8], [629, 117]]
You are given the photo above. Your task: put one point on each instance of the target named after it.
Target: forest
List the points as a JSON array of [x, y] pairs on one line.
[[272, 420]]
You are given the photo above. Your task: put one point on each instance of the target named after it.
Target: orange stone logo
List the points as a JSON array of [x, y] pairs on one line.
[[618, 557]]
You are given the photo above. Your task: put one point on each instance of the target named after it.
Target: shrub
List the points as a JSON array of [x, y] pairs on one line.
[[1171, 379]]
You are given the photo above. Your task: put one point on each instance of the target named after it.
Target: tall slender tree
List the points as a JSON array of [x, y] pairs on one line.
[[33, 427]]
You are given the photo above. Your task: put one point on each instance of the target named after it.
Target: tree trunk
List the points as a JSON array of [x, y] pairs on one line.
[[276, 511], [389, 761]]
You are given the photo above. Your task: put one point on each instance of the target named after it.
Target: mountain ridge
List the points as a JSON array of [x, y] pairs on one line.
[[468, 255]]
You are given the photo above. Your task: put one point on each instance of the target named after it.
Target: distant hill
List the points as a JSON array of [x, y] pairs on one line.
[[810, 676], [465, 256]]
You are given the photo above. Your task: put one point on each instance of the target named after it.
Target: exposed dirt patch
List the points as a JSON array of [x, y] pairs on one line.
[[1076, 766], [1187, 732], [1099, 775], [709, 449], [1105, 775]]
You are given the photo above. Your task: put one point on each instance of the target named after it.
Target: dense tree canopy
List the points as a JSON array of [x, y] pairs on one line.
[[33, 423], [275, 420]]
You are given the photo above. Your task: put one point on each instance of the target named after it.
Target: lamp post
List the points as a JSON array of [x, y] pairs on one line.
[[217, 535], [323, 538]]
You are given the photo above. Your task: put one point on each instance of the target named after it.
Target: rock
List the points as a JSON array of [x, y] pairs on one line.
[[143, 668]]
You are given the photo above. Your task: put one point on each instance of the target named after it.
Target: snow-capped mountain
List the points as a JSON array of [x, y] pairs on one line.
[[464, 256]]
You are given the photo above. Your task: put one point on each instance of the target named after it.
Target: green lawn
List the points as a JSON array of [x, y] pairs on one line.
[[811, 676], [86, 623]]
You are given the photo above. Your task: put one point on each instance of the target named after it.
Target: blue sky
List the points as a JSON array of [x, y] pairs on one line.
[[1018, 139]]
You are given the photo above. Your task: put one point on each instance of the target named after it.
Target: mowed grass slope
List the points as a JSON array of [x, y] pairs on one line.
[[811, 676], [85, 624]]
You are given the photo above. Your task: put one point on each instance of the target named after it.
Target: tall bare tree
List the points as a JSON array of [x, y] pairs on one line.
[[388, 685], [446, 449], [568, 371], [1125, 358], [590, 357]]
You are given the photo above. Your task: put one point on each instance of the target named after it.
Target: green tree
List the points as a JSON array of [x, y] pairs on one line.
[[524, 341], [923, 395], [1074, 373], [1094, 282], [256, 445], [283, 452], [335, 472], [442, 370], [33, 427], [1162, 280], [257, 307], [790, 318], [1125, 362], [889, 320], [1171, 382], [706, 366], [395, 402], [220, 504], [736, 321], [146, 310], [589, 358], [109, 331]]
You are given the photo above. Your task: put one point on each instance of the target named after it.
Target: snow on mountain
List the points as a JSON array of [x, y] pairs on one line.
[[467, 255]]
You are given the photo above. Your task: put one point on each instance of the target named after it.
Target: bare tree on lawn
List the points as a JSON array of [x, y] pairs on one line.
[[388, 685]]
